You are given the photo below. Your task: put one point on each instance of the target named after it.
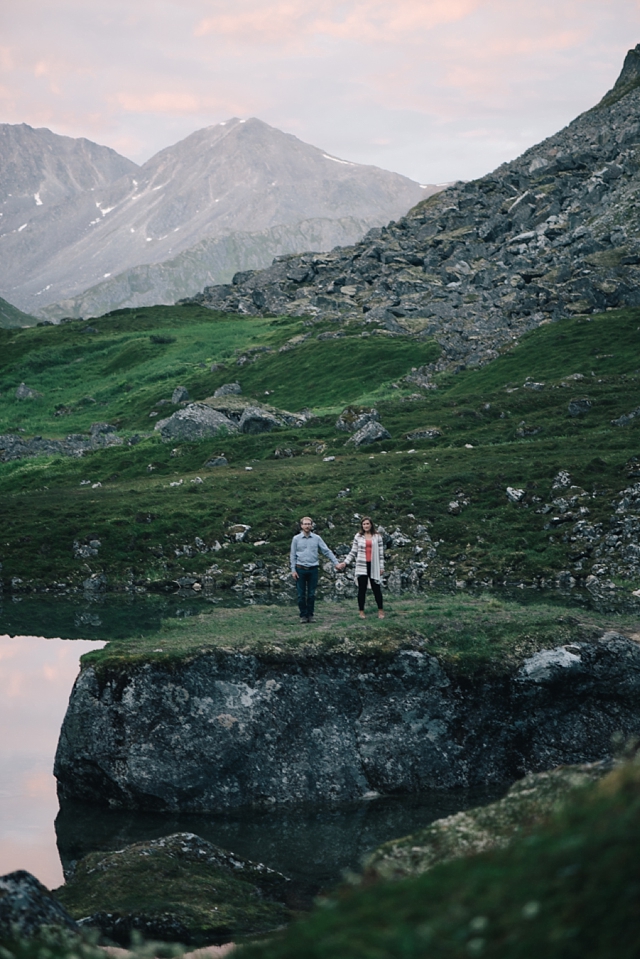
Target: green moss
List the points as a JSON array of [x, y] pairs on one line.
[[568, 890], [182, 881], [528, 803]]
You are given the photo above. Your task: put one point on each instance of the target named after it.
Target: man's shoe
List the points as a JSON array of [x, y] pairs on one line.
[[309, 619], [304, 619]]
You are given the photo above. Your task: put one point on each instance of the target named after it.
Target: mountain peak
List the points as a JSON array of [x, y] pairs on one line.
[[630, 69]]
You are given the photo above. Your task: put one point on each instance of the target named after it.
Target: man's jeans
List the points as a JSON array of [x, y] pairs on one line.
[[306, 584]]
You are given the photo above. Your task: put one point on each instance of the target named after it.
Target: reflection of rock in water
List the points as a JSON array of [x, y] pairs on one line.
[[312, 847], [87, 619]]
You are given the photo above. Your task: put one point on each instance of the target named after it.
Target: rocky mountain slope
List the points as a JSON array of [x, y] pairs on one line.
[[232, 182], [554, 233]]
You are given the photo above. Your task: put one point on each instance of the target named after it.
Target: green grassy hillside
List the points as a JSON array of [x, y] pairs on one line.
[[11, 316], [495, 432]]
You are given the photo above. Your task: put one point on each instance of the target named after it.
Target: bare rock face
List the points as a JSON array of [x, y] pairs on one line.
[[27, 908], [196, 421], [229, 729]]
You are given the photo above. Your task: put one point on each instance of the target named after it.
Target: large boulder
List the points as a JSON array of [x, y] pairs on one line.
[[255, 419], [28, 910], [177, 888], [353, 418], [371, 432], [196, 421]]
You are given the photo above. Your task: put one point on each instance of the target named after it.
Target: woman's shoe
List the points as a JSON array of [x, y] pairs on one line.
[[361, 614], [380, 614]]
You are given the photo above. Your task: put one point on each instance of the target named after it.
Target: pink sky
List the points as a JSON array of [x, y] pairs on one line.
[[436, 89], [36, 676]]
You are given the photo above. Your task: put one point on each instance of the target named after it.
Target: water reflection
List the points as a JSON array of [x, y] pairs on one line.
[[36, 676], [311, 846]]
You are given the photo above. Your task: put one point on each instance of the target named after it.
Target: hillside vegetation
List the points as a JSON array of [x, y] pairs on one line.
[[510, 424]]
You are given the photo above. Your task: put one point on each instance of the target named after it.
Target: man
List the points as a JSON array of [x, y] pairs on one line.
[[304, 566]]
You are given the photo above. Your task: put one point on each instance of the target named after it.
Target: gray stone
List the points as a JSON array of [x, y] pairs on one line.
[[228, 389], [254, 419], [371, 432], [578, 407], [180, 394], [626, 418], [24, 392], [217, 461], [196, 421], [431, 433], [101, 429], [515, 495], [354, 417], [28, 910], [226, 729]]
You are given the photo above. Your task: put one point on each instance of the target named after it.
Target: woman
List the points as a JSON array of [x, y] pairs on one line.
[[367, 549]]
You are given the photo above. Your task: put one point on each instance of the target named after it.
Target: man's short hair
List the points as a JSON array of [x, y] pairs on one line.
[[304, 518]]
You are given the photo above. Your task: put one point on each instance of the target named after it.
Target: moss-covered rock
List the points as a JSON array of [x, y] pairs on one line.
[[178, 888], [527, 804]]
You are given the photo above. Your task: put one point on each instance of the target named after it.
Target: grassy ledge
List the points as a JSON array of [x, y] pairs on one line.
[[469, 633]]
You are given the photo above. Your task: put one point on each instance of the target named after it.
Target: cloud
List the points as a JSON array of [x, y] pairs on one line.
[[397, 84], [359, 21]]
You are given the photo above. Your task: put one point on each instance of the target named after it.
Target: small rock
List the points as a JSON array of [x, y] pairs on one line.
[[101, 429], [217, 461], [228, 389], [180, 394], [578, 407], [24, 392], [239, 532], [562, 480], [431, 433], [515, 495]]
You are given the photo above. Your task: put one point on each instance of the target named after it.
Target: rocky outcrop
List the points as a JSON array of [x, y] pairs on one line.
[[551, 234], [177, 888], [196, 421], [15, 446], [224, 412], [28, 910], [529, 802], [225, 729]]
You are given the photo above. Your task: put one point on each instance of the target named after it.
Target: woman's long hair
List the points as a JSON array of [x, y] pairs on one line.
[[373, 526]]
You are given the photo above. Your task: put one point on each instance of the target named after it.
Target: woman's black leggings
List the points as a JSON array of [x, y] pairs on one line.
[[362, 589]]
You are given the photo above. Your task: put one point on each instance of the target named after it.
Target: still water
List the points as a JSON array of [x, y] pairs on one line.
[[41, 641]]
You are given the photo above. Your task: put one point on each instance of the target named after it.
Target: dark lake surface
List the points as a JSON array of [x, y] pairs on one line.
[[41, 641]]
